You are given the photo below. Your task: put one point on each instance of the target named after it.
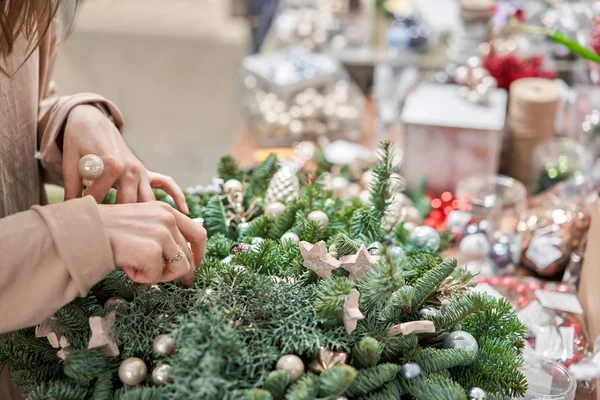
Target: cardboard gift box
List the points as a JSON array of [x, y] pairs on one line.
[[589, 291], [446, 138]]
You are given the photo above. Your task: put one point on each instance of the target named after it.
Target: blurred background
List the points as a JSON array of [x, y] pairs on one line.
[[172, 67]]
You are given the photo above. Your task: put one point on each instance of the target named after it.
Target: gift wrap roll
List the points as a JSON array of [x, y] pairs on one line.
[[532, 108]]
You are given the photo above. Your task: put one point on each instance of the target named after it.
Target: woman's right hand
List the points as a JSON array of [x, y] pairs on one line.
[[143, 235]]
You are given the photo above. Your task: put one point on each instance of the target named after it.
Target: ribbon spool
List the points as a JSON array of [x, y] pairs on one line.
[[91, 167], [533, 104]]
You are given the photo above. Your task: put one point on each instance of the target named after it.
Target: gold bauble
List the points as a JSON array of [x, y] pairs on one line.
[[162, 374], [292, 365], [164, 345], [132, 371]]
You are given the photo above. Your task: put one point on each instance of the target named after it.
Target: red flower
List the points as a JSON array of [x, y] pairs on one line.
[[507, 68]]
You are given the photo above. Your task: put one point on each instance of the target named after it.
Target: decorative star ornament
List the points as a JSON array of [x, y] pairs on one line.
[[103, 335], [358, 264], [327, 359], [49, 329], [408, 328], [316, 258], [351, 314]]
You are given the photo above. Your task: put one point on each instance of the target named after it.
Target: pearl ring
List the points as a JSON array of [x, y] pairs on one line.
[[91, 167]]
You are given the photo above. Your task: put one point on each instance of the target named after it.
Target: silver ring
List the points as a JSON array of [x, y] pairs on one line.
[[177, 257]]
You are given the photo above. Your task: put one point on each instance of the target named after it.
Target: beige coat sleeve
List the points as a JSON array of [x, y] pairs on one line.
[[49, 256]]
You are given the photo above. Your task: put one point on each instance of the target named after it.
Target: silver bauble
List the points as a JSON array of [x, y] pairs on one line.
[[164, 345], [428, 311], [292, 365], [457, 220], [474, 246], [445, 303], [476, 394], [373, 248], [243, 227], [290, 237], [232, 186], [132, 371], [162, 374], [117, 303], [274, 209], [257, 240], [463, 341], [319, 217], [425, 236], [410, 370], [396, 253]]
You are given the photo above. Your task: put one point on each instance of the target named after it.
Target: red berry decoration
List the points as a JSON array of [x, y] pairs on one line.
[[595, 35]]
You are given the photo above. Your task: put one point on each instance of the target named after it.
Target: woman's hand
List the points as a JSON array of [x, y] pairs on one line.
[[88, 131], [142, 236]]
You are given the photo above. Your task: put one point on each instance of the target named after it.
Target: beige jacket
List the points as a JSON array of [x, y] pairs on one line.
[[48, 254]]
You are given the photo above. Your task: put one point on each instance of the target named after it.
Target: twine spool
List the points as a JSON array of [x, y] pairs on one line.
[[532, 108]]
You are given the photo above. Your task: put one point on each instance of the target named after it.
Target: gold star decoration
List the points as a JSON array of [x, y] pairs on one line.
[[316, 258], [103, 335], [358, 264], [351, 314], [327, 359], [411, 327]]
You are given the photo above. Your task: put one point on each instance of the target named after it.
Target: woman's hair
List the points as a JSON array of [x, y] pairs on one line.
[[30, 18]]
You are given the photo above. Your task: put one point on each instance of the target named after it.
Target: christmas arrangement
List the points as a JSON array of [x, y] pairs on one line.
[[301, 296]]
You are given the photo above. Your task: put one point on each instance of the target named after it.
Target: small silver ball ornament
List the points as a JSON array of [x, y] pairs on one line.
[[410, 370], [162, 374], [373, 248], [232, 186], [117, 302], [425, 236], [396, 252], [428, 311], [292, 365], [164, 345], [257, 240], [274, 209], [290, 237], [132, 371], [243, 227], [476, 394], [319, 217]]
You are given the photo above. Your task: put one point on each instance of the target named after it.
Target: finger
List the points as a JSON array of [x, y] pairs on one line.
[[72, 180], [127, 188], [167, 184], [145, 193], [178, 267], [188, 278], [113, 170], [193, 233]]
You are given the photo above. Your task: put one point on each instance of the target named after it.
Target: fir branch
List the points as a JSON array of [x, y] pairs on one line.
[[379, 285], [258, 181], [401, 348], [380, 190], [457, 310], [103, 388], [140, 393], [331, 296], [284, 222], [428, 282], [398, 304], [215, 220], [366, 353], [344, 246], [218, 246], [58, 390], [257, 394], [259, 227], [391, 390], [434, 387], [334, 381], [435, 360], [228, 168], [307, 388], [276, 383], [366, 224], [313, 232], [401, 234], [86, 365], [371, 379]]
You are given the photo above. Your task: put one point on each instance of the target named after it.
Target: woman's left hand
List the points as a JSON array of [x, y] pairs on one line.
[[89, 131]]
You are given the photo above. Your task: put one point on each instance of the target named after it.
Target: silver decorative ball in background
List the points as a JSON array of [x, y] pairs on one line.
[[425, 236], [445, 303], [457, 220], [476, 394], [320, 217], [373, 248], [396, 252], [132, 371], [164, 345], [91, 167], [243, 227], [428, 311], [227, 260], [274, 209], [117, 302], [410, 370], [232, 186], [257, 240], [290, 237], [461, 340], [162, 374], [292, 365]]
